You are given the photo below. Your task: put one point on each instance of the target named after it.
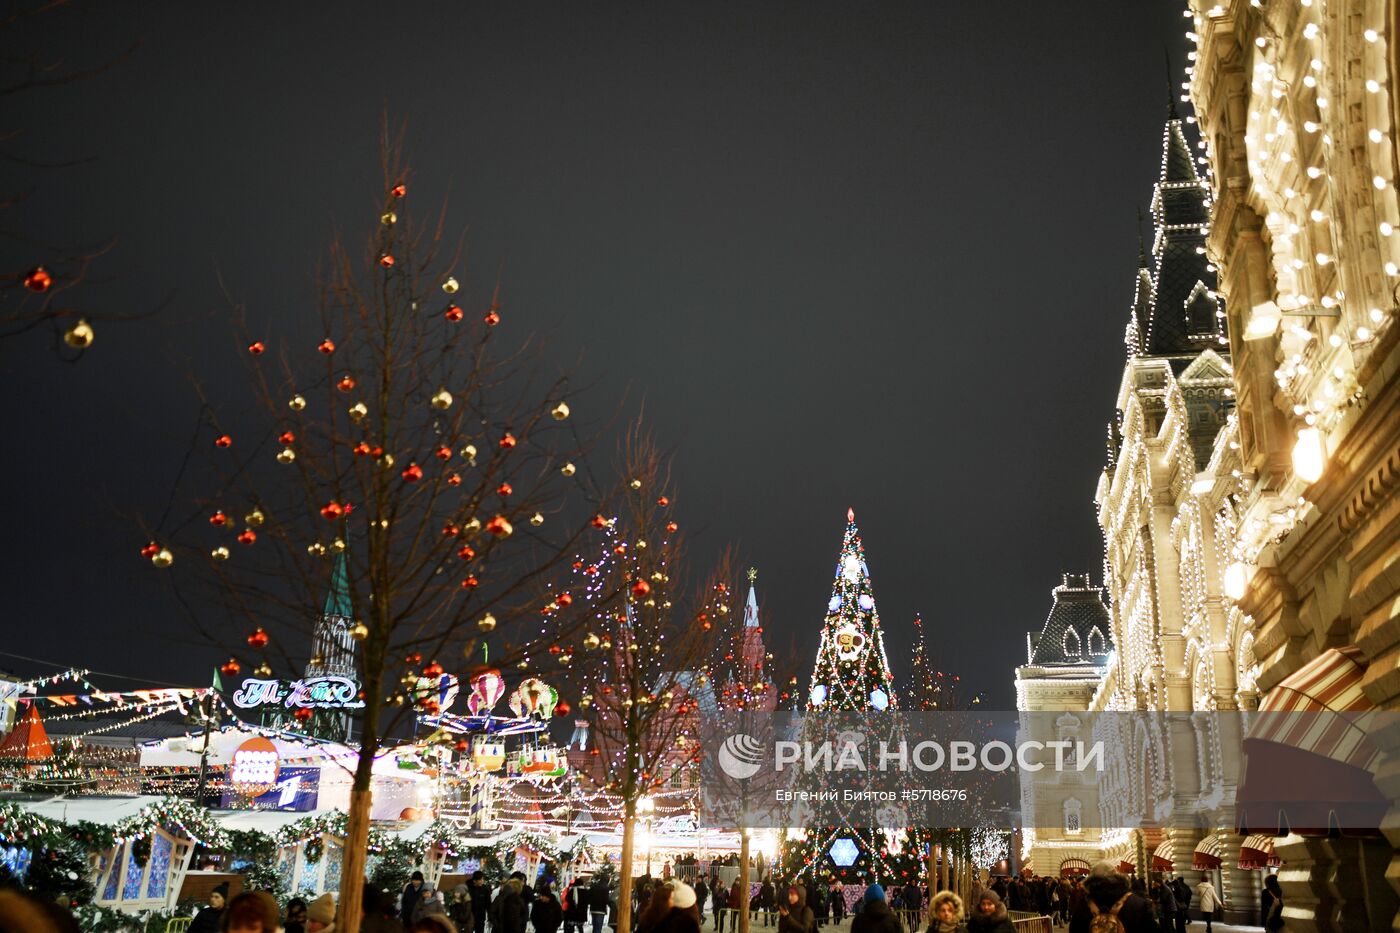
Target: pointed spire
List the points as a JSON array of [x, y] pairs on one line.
[[751, 606], [1171, 91], [1142, 250], [338, 601]]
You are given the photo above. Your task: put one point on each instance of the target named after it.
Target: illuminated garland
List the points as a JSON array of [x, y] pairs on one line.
[[193, 821]]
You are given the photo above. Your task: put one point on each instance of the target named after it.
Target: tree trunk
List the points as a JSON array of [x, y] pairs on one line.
[[624, 888], [743, 915], [352, 868]]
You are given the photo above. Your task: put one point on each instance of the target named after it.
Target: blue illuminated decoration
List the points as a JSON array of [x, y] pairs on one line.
[[879, 699], [844, 852], [818, 694]]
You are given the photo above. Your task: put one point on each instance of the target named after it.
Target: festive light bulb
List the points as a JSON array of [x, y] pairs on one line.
[[1310, 454], [1236, 580]]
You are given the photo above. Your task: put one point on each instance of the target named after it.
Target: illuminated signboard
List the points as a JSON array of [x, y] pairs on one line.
[[328, 692]]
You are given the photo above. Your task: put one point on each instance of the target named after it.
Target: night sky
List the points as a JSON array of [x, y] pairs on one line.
[[871, 255]]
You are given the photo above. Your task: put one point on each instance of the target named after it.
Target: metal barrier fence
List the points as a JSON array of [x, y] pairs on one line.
[[1030, 922], [911, 919]]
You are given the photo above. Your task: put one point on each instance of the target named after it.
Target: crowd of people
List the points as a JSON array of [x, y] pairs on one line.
[[1103, 899]]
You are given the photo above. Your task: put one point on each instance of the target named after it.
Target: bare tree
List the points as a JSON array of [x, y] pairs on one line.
[[438, 471], [650, 657]]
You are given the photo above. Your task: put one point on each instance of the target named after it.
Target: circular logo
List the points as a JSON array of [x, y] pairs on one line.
[[740, 756]]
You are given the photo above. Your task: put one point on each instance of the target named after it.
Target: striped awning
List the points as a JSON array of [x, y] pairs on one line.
[[1126, 867], [1162, 856], [1209, 853], [1074, 866], [1258, 852], [1330, 683]]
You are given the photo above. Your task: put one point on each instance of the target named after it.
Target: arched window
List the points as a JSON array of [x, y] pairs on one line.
[[1071, 643], [1097, 645], [1073, 810]]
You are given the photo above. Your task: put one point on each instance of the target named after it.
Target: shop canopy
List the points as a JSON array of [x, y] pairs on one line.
[[1209, 854], [28, 741], [1258, 852], [1162, 857]]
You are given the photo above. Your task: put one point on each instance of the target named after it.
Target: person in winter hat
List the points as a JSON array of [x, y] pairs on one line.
[[682, 913], [320, 915], [211, 919], [794, 916], [546, 913], [946, 914], [508, 911], [989, 914], [251, 912], [1107, 891], [875, 915]]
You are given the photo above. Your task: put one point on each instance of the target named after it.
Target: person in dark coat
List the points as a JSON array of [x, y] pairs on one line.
[[480, 894], [817, 901], [672, 909], [989, 914], [598, 902], [1107, 889], [702, 897], [210, 919], [1166, 904], [1271, 904], [836, 898], [546, 914], [875, 915], [794, 916], [719, 900], [508, 911], [764, 901], [1182, 891], [575, 907], [409, 898]]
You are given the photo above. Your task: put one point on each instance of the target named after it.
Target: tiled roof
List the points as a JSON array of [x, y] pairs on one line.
[[1077, 630]]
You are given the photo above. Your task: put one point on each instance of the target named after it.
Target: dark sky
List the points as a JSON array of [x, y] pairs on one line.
[[873, 255]]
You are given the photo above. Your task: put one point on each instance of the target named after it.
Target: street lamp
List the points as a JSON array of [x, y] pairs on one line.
[[646, 807]]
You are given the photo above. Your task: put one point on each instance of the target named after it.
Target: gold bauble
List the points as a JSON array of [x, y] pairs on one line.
[[565, 657], [359, 631], [79, 336], [472, 526], [388, 218], [486, 623], [287, 455], [219, 553], [163, 558], [263, 670], [255, 518], [442, 400], [358, 411], [641, 545], [537, 519], [636, 484], [316, 550], [386, 460], [523, 665], [560, 411], [297, 403], [338, 545], [450, 286], [591, 641], [469, 452], [567, 469], [585, 701]]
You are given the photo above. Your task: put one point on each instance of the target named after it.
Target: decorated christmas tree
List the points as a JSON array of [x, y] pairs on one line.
[[852, 676]]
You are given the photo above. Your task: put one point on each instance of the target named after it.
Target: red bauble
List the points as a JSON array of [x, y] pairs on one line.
[[287, 437], [470, 583], [450, 530], [332, 510], [599, 521], [492, 317], [454, 479], [361, 449], [386, 260], [555, 649], [504, 489], [326, 346], [412, 473], [663, 502], [414, 658], [150, 550], [562, 709], [38, 279], [499, 526], [223, 440], [256, 347], [433, 669], [303, 713], [398, 190], [465, 552], [564, 599], [453, 313], [461, 745], [247, 536], [508, 440], [218, 519], [444, 453], [346, 383], [230, 668], [672, 527], [258, 639]]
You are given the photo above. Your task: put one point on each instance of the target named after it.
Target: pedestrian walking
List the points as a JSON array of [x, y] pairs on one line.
[[1271, 902], [1108, 896], [1210, 901], [794, 916], [946, 914]]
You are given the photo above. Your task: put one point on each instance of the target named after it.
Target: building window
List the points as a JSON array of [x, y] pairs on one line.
[[1071, 643], [1096, 641], [1073, 825]]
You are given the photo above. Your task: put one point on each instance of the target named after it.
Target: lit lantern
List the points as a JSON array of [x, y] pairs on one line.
[[1310, 455]]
